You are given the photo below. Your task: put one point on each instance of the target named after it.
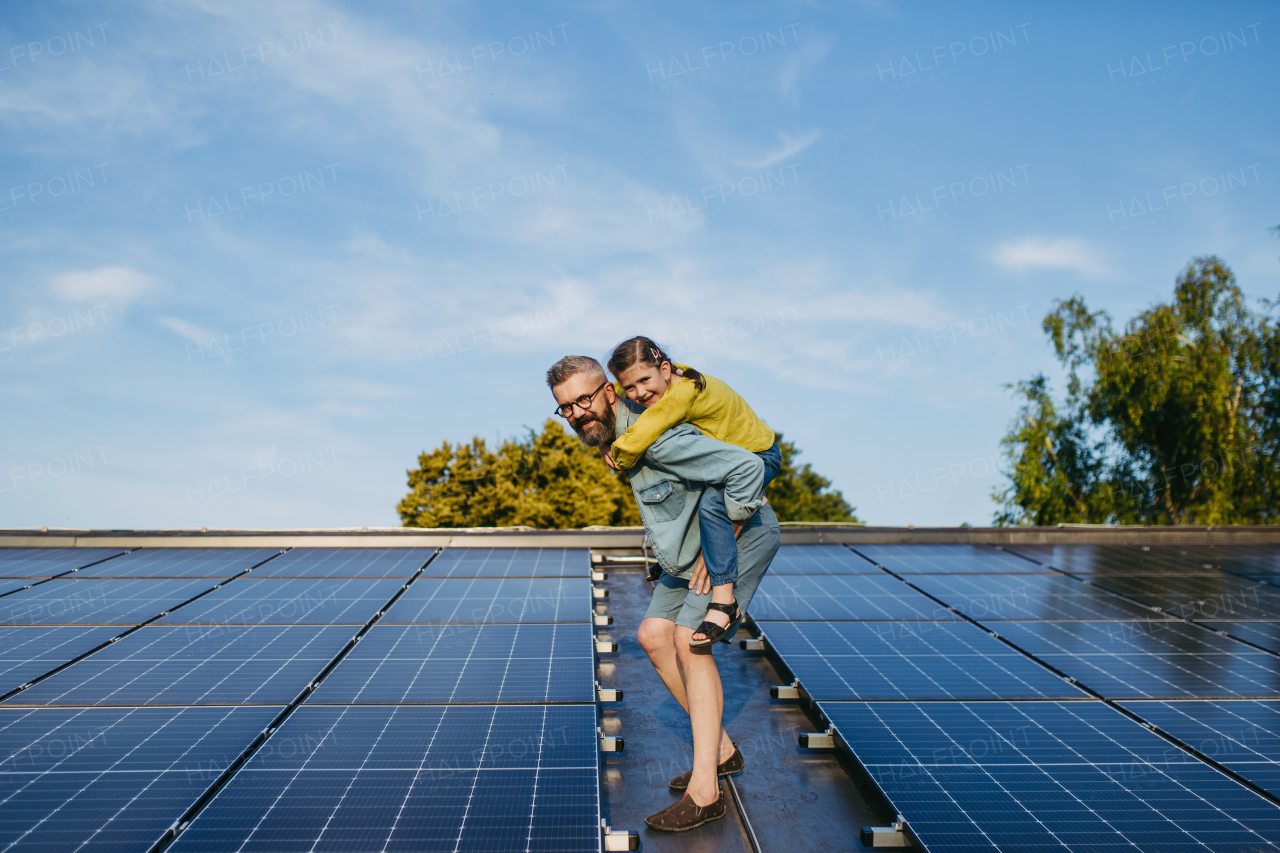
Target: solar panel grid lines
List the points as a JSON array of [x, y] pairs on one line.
[[479, 600], [1245, 560], [415, 777], [1217, 597], [95, 601], [511, 563], [196, 665], [820, 560], [882, 597], [305, 562], [111, 778], [1087, 560], [1242, 736], [1033, 775], [263, 745], [181, 563], [1261, 635], [1148, 660], [50, 562], [32, 653], [1031, 597], [456, 663], [915, 661], [289, 601], [946, 559]]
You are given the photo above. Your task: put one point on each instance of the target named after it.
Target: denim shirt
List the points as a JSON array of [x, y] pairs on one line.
[[669, 479]]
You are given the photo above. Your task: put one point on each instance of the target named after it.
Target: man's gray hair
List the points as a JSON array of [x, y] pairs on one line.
[[572, 365]]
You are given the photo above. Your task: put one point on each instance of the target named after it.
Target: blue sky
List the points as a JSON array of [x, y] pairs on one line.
[[256, 259]]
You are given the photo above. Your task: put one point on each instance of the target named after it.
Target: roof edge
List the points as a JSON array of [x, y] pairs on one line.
[[631, 537]]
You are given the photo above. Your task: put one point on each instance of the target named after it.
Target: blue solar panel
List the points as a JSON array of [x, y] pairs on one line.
[[29, 652], [1047, 776], [820, 560], [196, 665], [88, 601], [273, 601], [466, 663], [1108, 560], [480, 600], [909, 660], [835, 598], [1264, 634], [413, 778], [180, 563], [947, 560], [1200, 597], [111, 778], [994, 597], [47, 562], [16, 584], [1149, 659], [1242, 736], [511, 563], [345, 563], [1262, 561]]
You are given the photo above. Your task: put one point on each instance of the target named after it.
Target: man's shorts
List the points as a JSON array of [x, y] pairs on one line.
[[674, 601]]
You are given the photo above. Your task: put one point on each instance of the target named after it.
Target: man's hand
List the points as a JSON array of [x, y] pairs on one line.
[[700, 583]]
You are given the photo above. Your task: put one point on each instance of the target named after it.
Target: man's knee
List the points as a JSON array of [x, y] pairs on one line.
[[654, 634]]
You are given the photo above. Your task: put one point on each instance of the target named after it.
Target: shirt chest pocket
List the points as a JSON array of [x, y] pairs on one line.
[[664, 501]]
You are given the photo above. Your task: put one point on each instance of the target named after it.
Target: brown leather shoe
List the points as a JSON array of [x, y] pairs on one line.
[[732, 764], [685, 814]]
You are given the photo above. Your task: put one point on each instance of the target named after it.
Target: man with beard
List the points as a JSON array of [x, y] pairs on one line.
[[668, 482]]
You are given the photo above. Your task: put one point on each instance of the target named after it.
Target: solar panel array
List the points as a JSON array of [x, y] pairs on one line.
[[1046, 697], [313, 698]]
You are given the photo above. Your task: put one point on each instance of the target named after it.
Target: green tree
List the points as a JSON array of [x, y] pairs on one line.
[[799, 493], [1172, 422], [547, 480]]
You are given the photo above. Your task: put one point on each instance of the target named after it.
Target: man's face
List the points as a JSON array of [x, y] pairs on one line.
[[596, 424]]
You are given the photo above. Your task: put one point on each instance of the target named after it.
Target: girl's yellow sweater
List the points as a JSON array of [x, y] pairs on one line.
[[717, 410]]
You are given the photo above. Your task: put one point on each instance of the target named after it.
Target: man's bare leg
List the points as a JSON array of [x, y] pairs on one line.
[[705, 695], [658, 639]]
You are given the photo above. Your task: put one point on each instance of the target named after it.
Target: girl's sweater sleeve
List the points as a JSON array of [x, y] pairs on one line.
[[672, 409]]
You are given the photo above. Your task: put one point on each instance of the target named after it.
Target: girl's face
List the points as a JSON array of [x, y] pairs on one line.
[[644, 383]]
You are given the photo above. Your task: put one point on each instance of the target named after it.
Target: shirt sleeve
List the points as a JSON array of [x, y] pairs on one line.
[[690, 455], [672, 409]]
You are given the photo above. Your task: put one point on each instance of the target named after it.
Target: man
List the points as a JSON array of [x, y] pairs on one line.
[[668, 482]]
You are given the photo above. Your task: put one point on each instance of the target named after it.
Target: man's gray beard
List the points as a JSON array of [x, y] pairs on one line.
[[604, 434]]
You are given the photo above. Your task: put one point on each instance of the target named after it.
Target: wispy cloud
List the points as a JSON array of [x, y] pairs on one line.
[[1061, 253], [118, 284], [791, 146], [190, 331]]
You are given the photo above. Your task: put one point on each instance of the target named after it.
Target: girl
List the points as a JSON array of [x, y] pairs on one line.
[[673, 394]]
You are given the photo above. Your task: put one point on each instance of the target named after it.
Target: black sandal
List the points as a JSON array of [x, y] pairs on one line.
[[710, 630]]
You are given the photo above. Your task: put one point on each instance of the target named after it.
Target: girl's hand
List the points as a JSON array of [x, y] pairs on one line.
[[700, 583], [606, 453]]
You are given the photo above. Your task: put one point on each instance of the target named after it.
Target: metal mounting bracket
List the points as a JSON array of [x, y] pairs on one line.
[[886, 836], [786, 691], [619, 839], [818, 740]]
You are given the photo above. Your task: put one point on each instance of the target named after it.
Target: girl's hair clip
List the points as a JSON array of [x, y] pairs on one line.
[[657, 355]]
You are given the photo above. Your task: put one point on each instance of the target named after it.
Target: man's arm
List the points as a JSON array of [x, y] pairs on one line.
[[690, 455], [672, 409]]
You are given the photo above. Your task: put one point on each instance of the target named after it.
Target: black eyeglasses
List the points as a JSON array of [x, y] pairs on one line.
[[583, 402]]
